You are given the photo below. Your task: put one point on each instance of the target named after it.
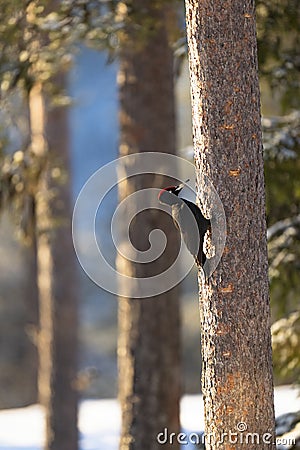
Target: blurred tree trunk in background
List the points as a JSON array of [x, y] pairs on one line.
[[31, 300], [57, 340], [234, 303], [18, 320], [149, 342]]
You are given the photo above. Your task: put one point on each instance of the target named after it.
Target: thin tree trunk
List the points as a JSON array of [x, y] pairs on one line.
[[148, 347], [234, 304], [31, 299], [57, 342]]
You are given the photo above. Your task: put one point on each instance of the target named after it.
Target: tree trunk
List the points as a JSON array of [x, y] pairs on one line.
[[148, 347], [31, 299], [234, 304], [57, 342]]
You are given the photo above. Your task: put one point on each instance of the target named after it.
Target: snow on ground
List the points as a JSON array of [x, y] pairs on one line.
[[99, 421]]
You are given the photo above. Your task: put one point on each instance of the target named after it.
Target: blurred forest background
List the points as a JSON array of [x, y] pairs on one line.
[[69, 49]]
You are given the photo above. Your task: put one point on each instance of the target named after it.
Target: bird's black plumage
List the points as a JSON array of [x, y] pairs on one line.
[[190, 221], [193, 241]]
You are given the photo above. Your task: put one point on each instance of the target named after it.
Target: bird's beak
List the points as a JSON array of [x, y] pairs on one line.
[[181, 186]]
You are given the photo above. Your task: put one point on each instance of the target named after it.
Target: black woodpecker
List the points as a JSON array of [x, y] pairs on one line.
[[193, 231]]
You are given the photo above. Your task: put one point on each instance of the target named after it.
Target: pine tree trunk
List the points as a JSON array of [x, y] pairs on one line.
[[234, 304], [57, 342], [148, 347], [31, 299]]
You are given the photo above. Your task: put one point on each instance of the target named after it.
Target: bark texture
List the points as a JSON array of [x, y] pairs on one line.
[[148, 347], [234, 304], [57, 340]]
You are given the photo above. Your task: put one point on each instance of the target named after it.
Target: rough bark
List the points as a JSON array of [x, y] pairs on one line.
[[234, 304], [57, 340], [148, 347]]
